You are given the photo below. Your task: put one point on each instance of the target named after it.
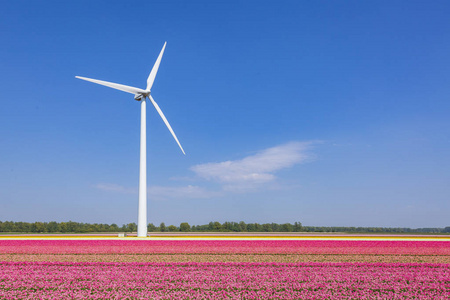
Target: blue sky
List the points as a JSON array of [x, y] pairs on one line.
[[331, 113]]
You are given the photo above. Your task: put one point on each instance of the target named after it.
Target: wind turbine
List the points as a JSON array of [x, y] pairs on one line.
[[142, 95]]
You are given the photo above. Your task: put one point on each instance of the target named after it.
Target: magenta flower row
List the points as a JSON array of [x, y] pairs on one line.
[[225, 247]]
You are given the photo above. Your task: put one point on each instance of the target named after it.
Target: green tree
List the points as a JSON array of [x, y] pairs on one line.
[[226, 226], [62, 227], [52, 226], [151, 227], [172, 228], [131, 227], [275, 227], [251, 227], [9, 226], [267, 227], [114, 227], [22, 226], [235, 227], [39, 226], [287, 227], [162, 227], [297, 226], [210, 226], [242, 226], [217, 226], [185, 227], [72, 226]]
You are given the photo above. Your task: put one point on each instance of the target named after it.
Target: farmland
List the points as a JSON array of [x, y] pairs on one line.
[[237, 269]]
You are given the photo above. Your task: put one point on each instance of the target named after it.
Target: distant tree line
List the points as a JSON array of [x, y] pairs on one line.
[[75, 227], [70, 226]]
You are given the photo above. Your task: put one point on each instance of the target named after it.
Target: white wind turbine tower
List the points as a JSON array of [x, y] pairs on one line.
[[142, 95]]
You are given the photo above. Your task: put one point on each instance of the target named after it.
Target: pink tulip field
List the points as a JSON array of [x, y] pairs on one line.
[[244, 247], [224, 269]]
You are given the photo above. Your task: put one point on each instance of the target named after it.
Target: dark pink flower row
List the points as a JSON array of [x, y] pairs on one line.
[[25, 280], [225, 247]]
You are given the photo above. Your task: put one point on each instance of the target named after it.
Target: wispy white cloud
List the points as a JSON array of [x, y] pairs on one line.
[[251, 173], [254, 170]]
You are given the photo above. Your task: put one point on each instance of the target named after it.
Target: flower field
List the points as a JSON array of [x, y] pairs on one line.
[[225, 247], [223, 280], [205, 269]]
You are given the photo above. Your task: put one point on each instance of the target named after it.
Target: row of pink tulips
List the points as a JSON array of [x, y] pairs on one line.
[[225, 247], [223, 280], [183, 257]]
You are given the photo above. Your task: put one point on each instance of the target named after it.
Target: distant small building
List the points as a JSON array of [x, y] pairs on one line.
[[122, 234]]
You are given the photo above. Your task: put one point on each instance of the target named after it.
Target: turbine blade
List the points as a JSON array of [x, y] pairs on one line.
[[121, 87], [151, 77], [165, 121]]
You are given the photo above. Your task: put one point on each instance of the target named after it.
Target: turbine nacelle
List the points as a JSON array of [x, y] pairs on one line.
[[139, 97]]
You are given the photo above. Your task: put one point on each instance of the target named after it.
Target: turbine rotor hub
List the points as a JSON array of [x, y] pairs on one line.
[[139, 97]]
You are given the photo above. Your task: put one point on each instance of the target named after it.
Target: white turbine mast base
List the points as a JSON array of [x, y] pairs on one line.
[[142, 205], [142, 95]]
